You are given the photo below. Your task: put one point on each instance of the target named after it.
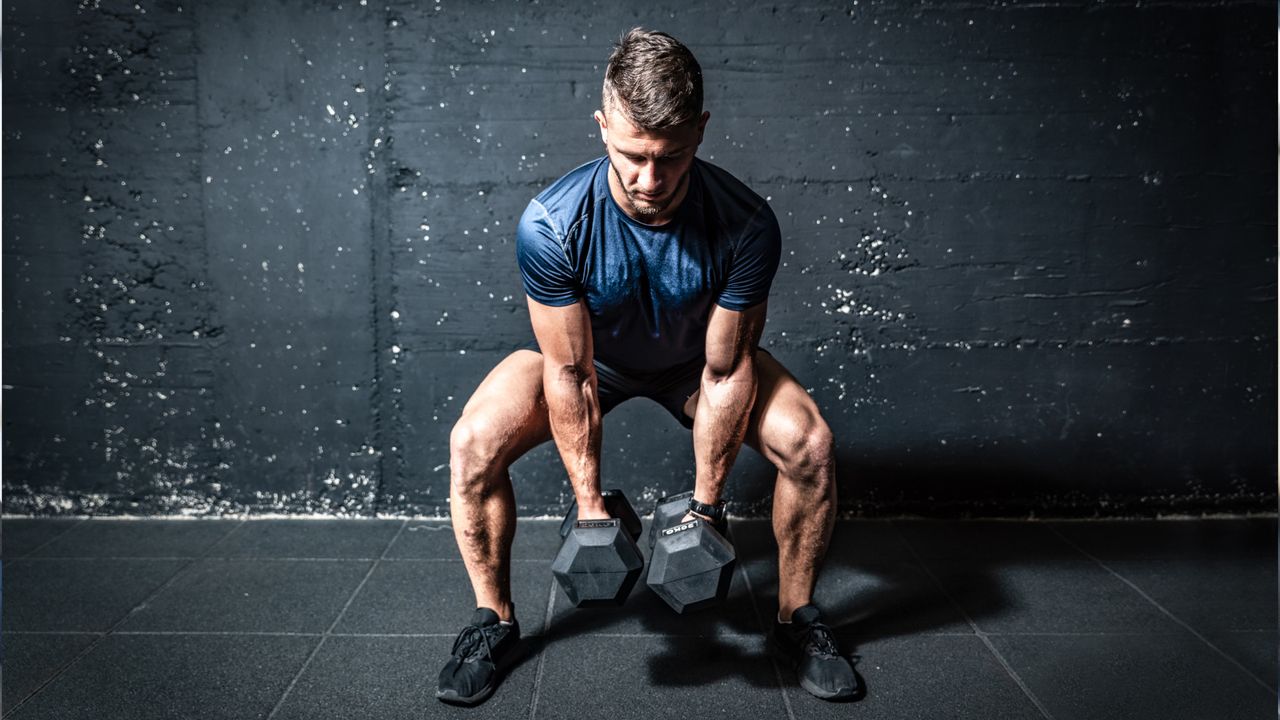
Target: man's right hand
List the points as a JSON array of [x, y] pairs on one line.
[[593, 509]]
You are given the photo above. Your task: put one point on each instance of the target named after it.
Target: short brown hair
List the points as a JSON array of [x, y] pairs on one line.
[[655, 80]]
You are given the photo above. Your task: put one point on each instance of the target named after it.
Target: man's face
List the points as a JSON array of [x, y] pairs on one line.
[[649, 167]]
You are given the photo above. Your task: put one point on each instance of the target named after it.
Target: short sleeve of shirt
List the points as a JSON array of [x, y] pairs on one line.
[[547, 275], [755, 262]]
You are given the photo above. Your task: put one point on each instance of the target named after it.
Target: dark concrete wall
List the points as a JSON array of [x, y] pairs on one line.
[[258, 254]]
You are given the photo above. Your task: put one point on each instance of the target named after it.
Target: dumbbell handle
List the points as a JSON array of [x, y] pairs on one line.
[[618, 507], [588, 524], [680, 528]]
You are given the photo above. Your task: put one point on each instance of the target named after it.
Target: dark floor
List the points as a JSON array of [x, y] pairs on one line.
[[353, 619]]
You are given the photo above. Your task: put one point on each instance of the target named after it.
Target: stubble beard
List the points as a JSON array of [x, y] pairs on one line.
[[643, 208]]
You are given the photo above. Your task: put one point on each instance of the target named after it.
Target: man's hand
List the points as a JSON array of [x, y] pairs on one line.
[[593, 509]]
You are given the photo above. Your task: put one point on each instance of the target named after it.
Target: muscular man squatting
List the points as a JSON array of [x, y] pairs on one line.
[[647, 273]]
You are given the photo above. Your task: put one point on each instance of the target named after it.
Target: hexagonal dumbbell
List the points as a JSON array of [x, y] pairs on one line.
[[692, 563], [599, 561]]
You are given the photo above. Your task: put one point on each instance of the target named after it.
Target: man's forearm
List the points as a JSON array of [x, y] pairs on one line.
[[573, 406], [720, 424]]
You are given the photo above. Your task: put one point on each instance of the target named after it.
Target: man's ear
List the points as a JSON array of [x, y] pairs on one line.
[[702, 124], [604, 126]]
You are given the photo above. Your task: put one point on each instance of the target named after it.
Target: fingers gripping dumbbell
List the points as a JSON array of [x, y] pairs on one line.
[[599, 561]]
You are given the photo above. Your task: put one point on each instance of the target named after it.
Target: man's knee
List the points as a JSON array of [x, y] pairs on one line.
[[475, 456], [807, 454]]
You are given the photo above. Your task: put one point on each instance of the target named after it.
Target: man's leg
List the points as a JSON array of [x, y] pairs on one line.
[[788, 430], [504, 419], [786, 427]]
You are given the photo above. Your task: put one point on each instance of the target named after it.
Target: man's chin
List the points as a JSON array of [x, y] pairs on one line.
[[646, 208]]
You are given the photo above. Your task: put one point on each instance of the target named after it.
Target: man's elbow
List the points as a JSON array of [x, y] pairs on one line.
[[741, 371], [570, 373]]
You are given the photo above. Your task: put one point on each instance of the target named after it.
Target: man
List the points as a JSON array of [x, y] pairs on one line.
[[647, 274]]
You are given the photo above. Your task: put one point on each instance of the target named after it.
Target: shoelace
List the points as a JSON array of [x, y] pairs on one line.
[[820, 641], [468, 643]]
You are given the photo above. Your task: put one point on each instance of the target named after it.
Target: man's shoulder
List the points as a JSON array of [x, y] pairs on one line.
[[732, 199], [570, 195]]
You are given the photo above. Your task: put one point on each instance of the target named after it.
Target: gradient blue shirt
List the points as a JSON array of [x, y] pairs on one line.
[[648, 289]]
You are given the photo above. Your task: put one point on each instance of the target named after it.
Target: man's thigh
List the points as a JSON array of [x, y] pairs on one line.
[[508, 408], [783, 412]]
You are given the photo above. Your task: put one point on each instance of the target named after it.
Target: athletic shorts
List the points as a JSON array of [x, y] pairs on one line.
[[670, 388]]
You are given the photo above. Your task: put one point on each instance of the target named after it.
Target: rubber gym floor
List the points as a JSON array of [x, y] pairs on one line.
[[282, 618]]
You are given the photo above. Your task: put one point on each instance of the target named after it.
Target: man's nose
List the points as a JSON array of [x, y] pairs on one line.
[[648, 179]]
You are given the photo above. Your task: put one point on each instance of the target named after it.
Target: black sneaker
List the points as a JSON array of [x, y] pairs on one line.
[[809, 647], [474, 671]]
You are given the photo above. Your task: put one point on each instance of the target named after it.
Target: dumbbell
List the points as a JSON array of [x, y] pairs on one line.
[[692, 563], [599, 561]]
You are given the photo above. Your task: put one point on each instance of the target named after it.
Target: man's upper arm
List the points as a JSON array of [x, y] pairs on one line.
[[559, 317], [564, 334], [737, 317], [732, 336]]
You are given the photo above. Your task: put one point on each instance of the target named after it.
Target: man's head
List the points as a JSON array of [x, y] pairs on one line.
[[651, 120], [654, 80]]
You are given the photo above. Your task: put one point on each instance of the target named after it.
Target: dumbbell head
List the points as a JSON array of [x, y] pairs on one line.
[[691, 566], [598, 563], [667, 512], [617, 505]]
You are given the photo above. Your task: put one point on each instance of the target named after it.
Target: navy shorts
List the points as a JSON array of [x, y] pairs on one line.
[[670, 388]]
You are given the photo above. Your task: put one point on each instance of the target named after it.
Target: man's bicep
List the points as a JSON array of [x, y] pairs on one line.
[[563, 333], [732, 336]]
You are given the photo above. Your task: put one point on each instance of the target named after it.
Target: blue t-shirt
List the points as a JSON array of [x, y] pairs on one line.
[[648, 289]]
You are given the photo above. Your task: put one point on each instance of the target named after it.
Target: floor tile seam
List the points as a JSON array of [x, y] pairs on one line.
[[285, 633], [290, 558], [668, 636], [991, 648], [1169, 614], [764, 629], [219, 633], [53, 632], [1017, 679], [41, 546], [100, 639], [316, 650], [1218, 557], [1012, 633], [259, 558], [58, 673], [227, 534], [536, 693], [297, 676], [269, 633], [1081, 633], [368, 573], [246, 633]]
